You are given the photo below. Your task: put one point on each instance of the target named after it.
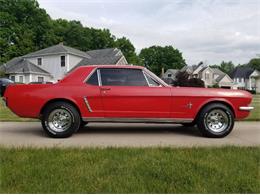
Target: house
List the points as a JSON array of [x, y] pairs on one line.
[[170, 74], [52, 63], [246, 78], [210, 76]]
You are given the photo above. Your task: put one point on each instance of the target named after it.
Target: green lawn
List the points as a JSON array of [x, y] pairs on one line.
[[130, 170], [255, 114], [7, 115]]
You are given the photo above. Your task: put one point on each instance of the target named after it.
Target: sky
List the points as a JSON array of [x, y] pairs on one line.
[[203, 30]]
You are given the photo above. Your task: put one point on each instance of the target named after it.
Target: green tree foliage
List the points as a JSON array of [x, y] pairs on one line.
[[128, 50], [226, 67], [254, 63], [25, 27], [157, 57]]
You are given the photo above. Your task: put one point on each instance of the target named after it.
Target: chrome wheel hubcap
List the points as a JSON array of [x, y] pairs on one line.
[[217, 120], [59, 120]]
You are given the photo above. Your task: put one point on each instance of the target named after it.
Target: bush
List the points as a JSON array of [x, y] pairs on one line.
[[182, 80]]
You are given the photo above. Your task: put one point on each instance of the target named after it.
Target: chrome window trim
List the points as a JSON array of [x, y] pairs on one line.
[[99, 77], [87, 104], [148, 84], [138, 120], [159, 81], [145, 75]]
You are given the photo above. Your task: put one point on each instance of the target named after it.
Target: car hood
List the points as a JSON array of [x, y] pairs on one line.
[[210, 92]]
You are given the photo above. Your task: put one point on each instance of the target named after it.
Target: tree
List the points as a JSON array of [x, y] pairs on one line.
[[24, 27], [128, 50], [183, 80], [227, 67], [157, 58], [196, 82], [254, 63]]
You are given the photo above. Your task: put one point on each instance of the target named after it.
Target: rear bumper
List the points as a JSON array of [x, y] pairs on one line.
[[246, 108], [5, 101]]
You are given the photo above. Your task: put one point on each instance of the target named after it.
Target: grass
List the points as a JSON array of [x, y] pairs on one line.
[[255, 114], [130, 170], [7, 115]]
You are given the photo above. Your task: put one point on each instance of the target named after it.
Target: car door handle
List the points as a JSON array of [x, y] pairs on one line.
[[105, 88]]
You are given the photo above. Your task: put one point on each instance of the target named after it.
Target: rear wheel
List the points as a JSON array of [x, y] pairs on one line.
[[215, 120], [60, 120]]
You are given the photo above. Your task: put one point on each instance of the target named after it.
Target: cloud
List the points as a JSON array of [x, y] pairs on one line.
[[209, 30]]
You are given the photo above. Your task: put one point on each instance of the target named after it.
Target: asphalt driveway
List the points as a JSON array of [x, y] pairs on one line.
[[133, 135]]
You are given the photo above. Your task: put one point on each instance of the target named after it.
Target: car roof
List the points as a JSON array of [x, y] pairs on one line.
[[113, 66]]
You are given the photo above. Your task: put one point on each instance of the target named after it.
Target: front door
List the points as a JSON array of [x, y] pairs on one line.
[[126, 93]]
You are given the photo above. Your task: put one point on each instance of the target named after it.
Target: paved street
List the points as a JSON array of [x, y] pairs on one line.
[[134, 135]]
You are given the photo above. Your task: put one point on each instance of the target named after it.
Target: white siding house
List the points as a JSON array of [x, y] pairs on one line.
[[246, 78], [52, 63], [210, 76]]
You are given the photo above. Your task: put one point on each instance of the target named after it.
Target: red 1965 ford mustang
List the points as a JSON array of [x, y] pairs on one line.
[[110, 93]]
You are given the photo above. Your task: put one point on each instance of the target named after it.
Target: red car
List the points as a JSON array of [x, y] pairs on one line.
[[110, 93]]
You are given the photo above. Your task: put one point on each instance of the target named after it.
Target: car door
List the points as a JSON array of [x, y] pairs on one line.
[[92, 96], [126, 93]]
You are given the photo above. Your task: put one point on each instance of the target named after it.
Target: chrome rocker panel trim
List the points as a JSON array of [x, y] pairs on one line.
[[246, 108], [138, 120]]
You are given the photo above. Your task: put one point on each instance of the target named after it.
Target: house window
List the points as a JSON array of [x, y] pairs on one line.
[[20, 79], [169, 75], [40, 79], [207, 76], [12, 78], [62, 61], [39, 61]]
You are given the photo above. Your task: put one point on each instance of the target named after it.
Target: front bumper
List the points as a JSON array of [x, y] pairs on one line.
[[246, 108]]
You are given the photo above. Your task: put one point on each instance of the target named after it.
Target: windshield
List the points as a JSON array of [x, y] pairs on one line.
[[156, 77]]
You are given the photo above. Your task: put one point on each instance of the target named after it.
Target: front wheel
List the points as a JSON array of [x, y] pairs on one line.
[[60, 119], [215, 120]]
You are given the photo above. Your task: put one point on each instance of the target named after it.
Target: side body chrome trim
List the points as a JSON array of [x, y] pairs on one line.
[[138, 120], [246, 108], [87, 104]]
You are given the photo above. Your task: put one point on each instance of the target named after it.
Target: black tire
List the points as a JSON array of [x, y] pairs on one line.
[[83, 124], [208, 126], [53, 116]]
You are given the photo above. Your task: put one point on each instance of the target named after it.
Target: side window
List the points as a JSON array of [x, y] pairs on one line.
[[122, 77], [62, 61], [93, 79], [13, 78], [41, 79], [39, 61], [151, 81], [20, 79]]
